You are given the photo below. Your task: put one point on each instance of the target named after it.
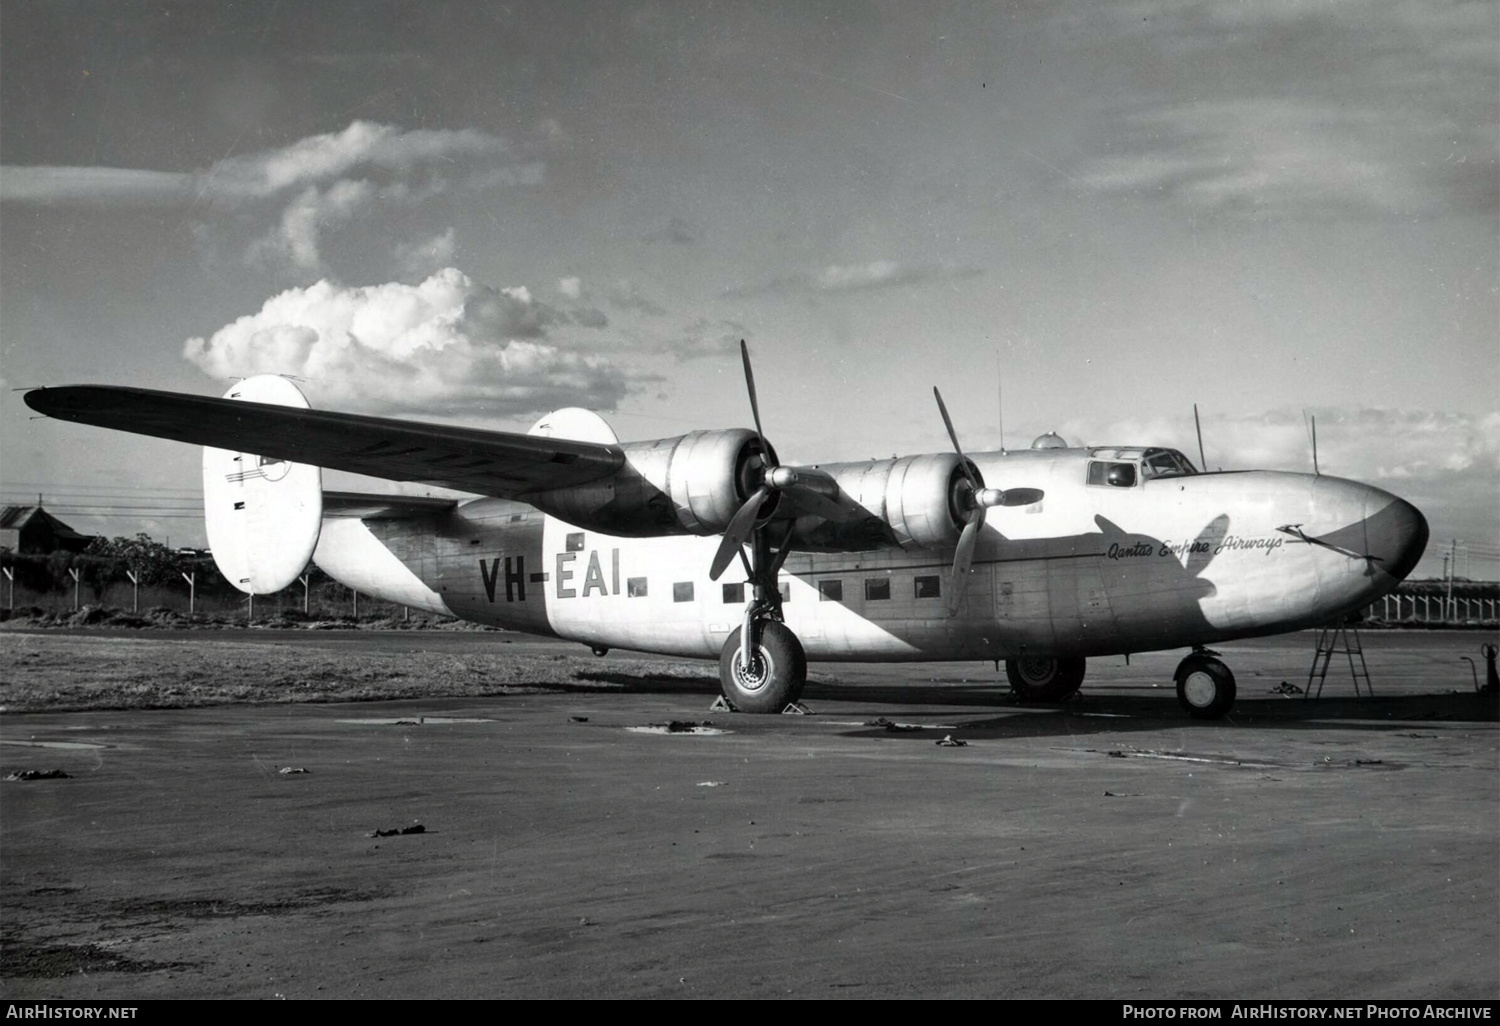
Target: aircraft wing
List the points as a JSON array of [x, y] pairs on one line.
[[365, 506], [497, 463]]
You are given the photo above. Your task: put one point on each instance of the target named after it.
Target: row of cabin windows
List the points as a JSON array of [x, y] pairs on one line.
[[830, 590], [877, 589]]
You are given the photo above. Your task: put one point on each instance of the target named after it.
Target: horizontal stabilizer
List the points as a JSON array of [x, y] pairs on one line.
[[368, 506]]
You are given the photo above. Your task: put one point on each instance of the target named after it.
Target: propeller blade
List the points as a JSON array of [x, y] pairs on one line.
[[754, 406], [1021, 496], [963, 460], [963, 559], [816, 504], [738, 532]]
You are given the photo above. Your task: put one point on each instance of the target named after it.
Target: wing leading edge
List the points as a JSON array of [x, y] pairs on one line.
[[497, 463]]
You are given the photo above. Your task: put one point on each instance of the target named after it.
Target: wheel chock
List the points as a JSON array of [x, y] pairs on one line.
[[722, 704], [795, 709]]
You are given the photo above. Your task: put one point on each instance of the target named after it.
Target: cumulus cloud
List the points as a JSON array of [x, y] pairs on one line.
[[447, 345], [835, 278], [578, 307], [308, 188], [429, 254]]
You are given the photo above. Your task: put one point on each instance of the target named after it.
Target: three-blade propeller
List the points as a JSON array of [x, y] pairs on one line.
[[975, 502], [811, 489]]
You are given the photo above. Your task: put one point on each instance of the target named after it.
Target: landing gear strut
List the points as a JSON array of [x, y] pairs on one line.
[[762, 666], [1205, 687]]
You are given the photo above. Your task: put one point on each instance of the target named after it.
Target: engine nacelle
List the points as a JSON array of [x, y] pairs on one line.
[[914, 502], [691, 484]]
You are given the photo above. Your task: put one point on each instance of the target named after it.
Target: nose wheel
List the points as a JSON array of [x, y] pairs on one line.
[[1205, 687]]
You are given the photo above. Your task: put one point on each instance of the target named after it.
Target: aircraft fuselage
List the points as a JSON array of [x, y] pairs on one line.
[[1094, 568]]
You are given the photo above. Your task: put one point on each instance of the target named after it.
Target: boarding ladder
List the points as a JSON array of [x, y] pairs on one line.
[[1338, 639]]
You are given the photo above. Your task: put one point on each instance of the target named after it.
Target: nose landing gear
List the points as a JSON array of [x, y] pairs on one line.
[[1205, 687]]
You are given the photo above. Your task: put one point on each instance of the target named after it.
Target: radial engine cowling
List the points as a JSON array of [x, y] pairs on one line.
[[914, 502], [690, 484]]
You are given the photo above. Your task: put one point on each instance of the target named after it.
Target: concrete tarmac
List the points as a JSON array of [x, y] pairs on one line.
[[1338, 848]]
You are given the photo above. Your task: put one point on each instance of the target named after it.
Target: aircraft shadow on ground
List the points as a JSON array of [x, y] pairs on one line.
[[1084, 714]]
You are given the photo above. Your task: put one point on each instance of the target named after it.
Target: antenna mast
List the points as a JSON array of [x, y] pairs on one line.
[[1311, 422], [1000, 400], [1202, 459]]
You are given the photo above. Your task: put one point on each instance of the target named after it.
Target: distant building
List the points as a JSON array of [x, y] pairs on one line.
[[31, 529]]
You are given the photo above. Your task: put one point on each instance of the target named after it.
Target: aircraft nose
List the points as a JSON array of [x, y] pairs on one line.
[[1396, 532]]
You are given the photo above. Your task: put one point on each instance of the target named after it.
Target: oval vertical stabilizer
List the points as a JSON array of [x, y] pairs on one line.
[[262, 515]]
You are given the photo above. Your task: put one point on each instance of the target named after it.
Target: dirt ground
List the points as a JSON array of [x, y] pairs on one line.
[[1338, 848]]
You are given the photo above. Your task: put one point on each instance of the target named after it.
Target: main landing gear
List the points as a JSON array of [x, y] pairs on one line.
[[1205, 687], [1045, 678], [762, 666]]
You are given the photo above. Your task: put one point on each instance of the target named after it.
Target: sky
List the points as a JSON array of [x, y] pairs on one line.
[[1103, 213]]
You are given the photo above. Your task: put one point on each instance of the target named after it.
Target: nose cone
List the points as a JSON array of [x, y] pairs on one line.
[[1396, 534]]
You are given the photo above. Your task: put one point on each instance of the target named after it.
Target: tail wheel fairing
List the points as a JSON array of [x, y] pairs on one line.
[[1045, 678]]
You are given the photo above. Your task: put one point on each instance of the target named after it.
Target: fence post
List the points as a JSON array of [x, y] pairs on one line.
[[356, 606], [192, 589], [135, 591], [10, 575], [306, 593], [73, 570]]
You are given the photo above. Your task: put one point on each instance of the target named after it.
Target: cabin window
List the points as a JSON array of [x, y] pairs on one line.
[[928, 587], [734, 593], [1117, 475], [575, 541], [831, 591], [635, 587], [877, 588], [682, 591]]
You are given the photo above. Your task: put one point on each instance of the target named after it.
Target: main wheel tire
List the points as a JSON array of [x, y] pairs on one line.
[[1045, 678], [776, 678], [1205, 687]]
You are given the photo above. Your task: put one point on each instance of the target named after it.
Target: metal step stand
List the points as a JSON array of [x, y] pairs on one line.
[[1338, 639]]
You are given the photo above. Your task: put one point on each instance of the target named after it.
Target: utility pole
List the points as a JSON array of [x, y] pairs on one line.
[[1452, 552]]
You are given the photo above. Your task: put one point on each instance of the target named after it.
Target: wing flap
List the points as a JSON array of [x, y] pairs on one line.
[[368, 506], [497, 463]]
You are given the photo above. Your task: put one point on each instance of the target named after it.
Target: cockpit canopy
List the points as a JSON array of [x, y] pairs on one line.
[[1124, 466]]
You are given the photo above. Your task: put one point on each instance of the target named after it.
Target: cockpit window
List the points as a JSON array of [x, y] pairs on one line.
[[1117, 475], [1165, 463]]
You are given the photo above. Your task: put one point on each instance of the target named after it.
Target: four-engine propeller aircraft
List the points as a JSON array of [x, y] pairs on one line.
[[1041, 557]]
